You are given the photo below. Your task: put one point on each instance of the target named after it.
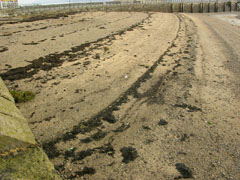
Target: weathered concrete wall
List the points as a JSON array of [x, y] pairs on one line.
[[212, 7], [220, 7], [173, 7], [161, 7], [20, 156], [176, 7], [205, 8], [187, 8]]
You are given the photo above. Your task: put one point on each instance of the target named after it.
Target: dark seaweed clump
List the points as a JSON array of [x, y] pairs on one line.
[[129, 154], [184, 170], [162, 122], [86, 170]]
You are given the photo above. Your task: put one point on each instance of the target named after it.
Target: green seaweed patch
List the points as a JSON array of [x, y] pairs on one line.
[[106, 49], [22, 96]]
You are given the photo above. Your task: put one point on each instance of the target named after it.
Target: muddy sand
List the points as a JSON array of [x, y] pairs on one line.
[[130, 95]]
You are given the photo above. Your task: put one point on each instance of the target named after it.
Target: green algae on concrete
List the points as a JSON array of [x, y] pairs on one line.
[[30, 164]]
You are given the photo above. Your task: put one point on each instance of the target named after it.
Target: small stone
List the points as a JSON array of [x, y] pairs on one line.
[[97, 56], [162, 122], [146, 127]]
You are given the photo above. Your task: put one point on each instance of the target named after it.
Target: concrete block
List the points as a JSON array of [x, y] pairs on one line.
[[14, 133], [14, 129], [4, 91]]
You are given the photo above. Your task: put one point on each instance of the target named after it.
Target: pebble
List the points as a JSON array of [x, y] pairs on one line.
[[162, 122]]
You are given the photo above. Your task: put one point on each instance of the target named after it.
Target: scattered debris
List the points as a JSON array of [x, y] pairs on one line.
[[3, 49], [69, 152], [86, 170], [31, 43], [86, 63], [107, 149], [122, 128], [106, 49], [189, 108], [146, 127], [184, 137], [149, 141], [97, 56], [83, 154]]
